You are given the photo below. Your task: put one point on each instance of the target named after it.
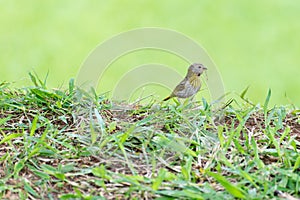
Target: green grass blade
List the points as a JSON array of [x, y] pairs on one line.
[[71, 86], [29, 189], [267, 102], [297, 164], [159, 179], [244, 92], [10, 137], [258, 161], [231, 188], [33, 125]]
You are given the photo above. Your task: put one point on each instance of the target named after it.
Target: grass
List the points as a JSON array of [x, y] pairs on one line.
[[72, 144]]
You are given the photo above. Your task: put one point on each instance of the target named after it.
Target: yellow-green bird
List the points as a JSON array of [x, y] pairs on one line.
[[191, 83]]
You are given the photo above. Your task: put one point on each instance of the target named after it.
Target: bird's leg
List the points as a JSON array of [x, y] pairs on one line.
[[192, 97], [189, 101]]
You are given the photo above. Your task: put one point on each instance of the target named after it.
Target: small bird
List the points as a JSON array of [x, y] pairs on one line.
[[191, 84]]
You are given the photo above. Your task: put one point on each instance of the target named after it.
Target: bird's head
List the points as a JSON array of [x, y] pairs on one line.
[[197, 69]]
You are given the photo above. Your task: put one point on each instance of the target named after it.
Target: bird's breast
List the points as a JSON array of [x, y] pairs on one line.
[[195, 82]]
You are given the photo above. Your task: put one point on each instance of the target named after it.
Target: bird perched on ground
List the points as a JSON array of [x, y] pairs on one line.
[[191, 84]]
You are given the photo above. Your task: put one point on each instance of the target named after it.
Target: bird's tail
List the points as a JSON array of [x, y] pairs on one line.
[[167, 98]]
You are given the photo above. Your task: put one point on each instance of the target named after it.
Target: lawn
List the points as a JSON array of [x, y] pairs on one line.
[[74, 144]]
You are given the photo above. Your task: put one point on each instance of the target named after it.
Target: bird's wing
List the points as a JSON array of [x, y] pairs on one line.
[[180, 87]]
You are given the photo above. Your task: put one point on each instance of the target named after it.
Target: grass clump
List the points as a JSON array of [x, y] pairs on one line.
[[72, 144]]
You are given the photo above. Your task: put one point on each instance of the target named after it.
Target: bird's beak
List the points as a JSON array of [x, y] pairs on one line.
[[205, 68]]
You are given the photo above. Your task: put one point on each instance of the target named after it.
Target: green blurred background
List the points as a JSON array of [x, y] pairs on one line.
[[253, 43]]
